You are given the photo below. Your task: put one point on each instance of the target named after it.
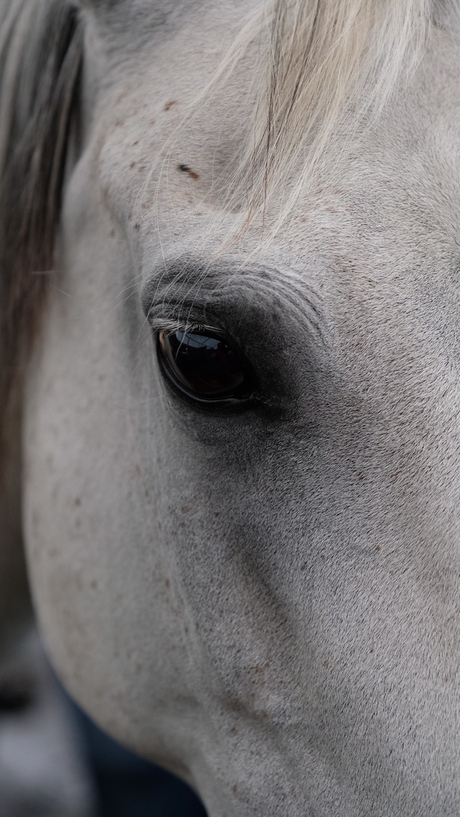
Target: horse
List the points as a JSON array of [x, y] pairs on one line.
[[230, 299]]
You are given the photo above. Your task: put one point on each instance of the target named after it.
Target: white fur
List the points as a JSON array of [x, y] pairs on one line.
[[266, 602]]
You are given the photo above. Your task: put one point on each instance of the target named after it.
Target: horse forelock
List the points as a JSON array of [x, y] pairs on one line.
[[328, 68], [40, 54]]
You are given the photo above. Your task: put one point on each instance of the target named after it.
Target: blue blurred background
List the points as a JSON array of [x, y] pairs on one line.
[[127, 786]]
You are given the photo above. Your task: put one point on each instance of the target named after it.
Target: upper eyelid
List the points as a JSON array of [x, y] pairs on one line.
[[185, 315], [171, 325], [213, 291]]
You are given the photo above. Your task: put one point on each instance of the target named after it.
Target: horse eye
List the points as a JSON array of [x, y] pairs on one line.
[[204, 368]]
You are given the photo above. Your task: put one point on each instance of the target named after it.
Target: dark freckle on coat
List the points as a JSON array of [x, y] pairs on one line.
[[77, 501], [169, 104], [137, 227], [187, 169], [112, 233], [133, 164], [167, 583]]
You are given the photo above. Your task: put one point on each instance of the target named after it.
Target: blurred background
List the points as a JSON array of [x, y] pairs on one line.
[[54, 762]]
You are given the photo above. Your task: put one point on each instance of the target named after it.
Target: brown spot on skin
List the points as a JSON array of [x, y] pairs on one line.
[[133, 164], [167, 583], [112, 233], [186, 509], [135, 143], [77, 501], [234, 789], [259, 670], [94, 584], [233, 730], [169, 104], [187, 169]]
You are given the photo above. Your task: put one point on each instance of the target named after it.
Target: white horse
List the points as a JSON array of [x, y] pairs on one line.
[[240, 459]]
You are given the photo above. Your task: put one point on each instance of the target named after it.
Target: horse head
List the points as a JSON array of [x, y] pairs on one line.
[[241, 439]]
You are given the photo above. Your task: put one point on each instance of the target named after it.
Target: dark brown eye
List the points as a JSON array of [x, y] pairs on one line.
[[204, 368]]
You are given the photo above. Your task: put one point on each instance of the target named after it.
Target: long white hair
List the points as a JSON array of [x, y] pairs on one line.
[[318, 68]]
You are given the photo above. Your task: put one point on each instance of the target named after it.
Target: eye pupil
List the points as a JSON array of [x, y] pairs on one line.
[[203, 367]]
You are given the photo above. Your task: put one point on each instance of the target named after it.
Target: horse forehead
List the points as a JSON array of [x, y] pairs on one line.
[[158, 174], [150, 118]]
